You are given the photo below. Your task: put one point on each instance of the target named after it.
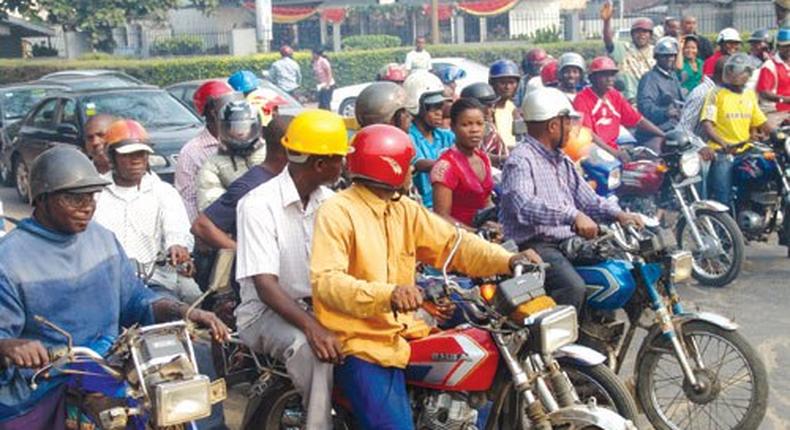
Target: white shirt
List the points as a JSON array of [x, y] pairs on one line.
[[147, 219], [274, 236], [418, 60]]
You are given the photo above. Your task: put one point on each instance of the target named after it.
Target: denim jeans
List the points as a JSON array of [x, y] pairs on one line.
[[720, 179]]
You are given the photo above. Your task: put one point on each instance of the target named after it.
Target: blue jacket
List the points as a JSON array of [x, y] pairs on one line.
[[657, 90]]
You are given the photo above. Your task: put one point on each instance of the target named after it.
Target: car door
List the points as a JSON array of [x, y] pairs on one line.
[[67, 126], [38, 130]]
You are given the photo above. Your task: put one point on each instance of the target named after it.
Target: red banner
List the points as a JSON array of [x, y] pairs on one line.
[[334, 15], [291, 14], [445, 11], [487, 7]]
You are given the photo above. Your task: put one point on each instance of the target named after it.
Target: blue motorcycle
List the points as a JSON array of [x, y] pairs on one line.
[[693, 369]]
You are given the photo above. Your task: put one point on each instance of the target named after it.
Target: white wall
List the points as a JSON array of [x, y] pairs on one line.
[[529, 16], [224, 19]]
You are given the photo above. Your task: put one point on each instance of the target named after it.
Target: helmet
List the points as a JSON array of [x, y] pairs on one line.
[[392, 72], [317, 132], [243, 81], [419, 85], [239, 125], [503, 69], [382, 154], [379, 102], [286, 51], [451, 74], [666, 46], [483, 92], [783, 37], [645, 24], [534, 60], [208, 91], [736, 65], [545, 103], [62, 168], [603, 64], [266, 101], [728, 35], [126, 136], [579, 144], [571, 59], [549, 73], [762, 35]]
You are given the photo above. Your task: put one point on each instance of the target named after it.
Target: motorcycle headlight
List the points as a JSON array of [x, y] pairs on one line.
[[690, 164], [182, 401], [155, 160], [552, 329], [787, 147], [681, 265], [615, 178]]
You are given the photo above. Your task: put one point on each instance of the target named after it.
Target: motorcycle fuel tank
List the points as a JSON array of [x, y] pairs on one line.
[[610, 284], [642, 177], [461, 359]]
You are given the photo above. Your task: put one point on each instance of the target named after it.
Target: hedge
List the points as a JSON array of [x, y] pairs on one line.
[[370, 41], [350, 66]]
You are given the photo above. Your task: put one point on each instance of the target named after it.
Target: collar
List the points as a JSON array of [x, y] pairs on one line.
[[554, 156], [35, 228], [663, 72], [290, 195], [733, 89], [375, 203], [146, 186]]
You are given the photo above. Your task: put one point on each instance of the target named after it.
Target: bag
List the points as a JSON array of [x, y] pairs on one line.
[[222, 273]]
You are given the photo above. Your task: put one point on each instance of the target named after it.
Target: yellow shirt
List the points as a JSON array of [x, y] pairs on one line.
[[503, 118], [732, 114], [363, 247]]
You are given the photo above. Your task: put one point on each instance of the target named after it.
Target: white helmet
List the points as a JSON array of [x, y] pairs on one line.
[[418, 85], [728, 35], [546, 103]]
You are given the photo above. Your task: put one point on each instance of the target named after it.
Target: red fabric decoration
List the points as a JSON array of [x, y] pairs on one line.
[[487, 7], [334, 15]]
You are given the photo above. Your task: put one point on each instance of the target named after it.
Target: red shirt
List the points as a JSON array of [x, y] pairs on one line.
[[605, 115], [775, 78], [453, 170], [710, 64]]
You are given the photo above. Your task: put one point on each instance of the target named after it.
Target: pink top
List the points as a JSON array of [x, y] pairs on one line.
[[323, 72], [470, 195]]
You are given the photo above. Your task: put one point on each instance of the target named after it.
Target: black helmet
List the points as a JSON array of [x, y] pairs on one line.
[[762, 35], [379, 102], [239, 126], [483, 92], [64, 169]]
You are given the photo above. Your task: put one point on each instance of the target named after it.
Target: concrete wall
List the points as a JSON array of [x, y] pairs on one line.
[[192, 20]]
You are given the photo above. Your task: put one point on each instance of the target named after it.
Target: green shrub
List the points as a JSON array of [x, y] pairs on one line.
[[178, 45], [370, 41], [547, 35]]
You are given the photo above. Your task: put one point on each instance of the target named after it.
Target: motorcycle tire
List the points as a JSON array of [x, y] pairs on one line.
[[726, 222], [649, 379], [601, 382]]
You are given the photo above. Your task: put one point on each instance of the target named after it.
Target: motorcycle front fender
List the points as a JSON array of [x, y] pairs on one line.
[[653, 336], [581, 355], [583, 416], [709, 205]]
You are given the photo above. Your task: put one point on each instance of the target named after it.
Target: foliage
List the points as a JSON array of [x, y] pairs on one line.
[[178, 45], [371, 41], [547, 35], [40, 50]]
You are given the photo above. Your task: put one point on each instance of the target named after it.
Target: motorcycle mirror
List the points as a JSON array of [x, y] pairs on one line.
[[649, 222]]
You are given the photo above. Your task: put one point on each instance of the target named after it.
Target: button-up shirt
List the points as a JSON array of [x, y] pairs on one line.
[[286, 74], [362, 248], [542, 192], [323, 72], [658, 90], [690, 116], [633, 63], [190, 159], [274, 233]]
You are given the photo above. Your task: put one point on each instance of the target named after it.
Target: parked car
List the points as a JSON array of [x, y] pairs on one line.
[[184, 91], [60, 120], [84, 83], [92, 73], [344, 98]]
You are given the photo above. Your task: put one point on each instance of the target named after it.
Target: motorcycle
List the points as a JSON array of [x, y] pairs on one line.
[[504, 368], [693, 369], [762, 188]]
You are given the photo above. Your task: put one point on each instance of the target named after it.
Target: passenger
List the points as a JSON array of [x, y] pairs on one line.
[[660, 95], [503, 76], [95, 144], [383, 103], [492, 144], [548, 76], [689, 27], [729, 41], [531, 65], [689, 65], [635, 57]]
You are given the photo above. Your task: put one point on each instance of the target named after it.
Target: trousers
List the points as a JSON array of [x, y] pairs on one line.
[[563, 283], [720, 179]]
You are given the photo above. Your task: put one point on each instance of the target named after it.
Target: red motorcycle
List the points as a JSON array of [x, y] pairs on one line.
[[510, 366]]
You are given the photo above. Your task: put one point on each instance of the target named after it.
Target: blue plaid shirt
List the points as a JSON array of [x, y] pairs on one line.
[[542, 192]]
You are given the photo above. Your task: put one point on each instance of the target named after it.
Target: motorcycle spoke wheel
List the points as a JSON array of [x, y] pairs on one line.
[[719, 267]]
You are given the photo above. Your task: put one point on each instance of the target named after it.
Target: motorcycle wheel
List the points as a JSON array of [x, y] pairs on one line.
[[735, 376], [722, 269], [600, 382]]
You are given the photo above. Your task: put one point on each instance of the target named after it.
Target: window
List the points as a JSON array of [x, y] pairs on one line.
[[45, 116], [68, 115]]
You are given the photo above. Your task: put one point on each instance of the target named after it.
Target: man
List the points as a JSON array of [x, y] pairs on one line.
[[729, 41], [773, 83], [72, 271], [95, 144], [275, 223], [531, 65], [761, 43], [418, 58], [323, 75], [382, 103], [571, 69], [367, 241], [201, 147], [730, 115], [605, 110], [145, 213], [690, 116], [285, 72], [636, 57], [425, 100], [672, 27], [660, 95], [544, 198], [503, 76], [689, 25], [782, 8]]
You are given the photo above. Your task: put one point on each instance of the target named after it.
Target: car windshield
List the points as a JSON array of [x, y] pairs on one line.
[[18, 102], [153, 109], [292, 102]]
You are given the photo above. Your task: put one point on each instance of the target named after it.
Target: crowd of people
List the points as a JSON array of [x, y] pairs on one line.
[[327, 230]]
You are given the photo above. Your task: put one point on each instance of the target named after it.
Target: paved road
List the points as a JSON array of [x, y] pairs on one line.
[[758, 301]]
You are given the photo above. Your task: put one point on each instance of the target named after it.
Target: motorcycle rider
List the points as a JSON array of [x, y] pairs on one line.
[[773, 84], [660, 94], [366, 243], [729, 41], [636, 57], [275, 223], [95, 143], [761, 43], [61, 265], [383, 103], [503, 76], [265, 100], [425, 100], [545, 200], [571, 69], [531, 65], [492, 142]]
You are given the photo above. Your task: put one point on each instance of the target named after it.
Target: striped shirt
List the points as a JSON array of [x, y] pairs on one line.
[[689, 118], [542, 192], [190, 160]]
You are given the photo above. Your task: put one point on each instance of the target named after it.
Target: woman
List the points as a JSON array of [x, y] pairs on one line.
[[690, 65], [493, 145], [461, 177]]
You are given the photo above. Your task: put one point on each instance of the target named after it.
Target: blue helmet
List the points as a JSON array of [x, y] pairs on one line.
[[450, 74], [503, 69], [783, 37], [243, 81]]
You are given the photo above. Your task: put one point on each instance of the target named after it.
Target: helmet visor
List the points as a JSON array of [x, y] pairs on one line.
[[240, 133]]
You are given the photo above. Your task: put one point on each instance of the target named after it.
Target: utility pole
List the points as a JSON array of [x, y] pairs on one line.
[[263, 23], [435, 36], [622, 11]]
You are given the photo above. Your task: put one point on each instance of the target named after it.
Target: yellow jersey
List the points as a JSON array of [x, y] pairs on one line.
[[733, 114]]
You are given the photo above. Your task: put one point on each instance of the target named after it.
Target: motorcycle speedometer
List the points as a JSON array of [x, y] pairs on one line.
[[690, 164]]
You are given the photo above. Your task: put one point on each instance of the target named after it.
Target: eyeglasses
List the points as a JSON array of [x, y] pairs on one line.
[[76, 200]]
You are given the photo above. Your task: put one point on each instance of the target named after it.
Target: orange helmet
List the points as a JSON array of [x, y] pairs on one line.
[[209, 90], [579, 144], [126, 136]]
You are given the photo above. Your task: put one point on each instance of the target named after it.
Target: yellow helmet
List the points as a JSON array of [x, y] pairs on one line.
[[317, 132]]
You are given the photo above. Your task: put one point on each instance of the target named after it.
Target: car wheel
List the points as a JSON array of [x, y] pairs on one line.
[[22, 179], [347, 107]]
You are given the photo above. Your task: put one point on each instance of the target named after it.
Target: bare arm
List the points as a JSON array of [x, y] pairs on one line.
[[204, 229], [710, 131], [424, 165], [443, 203], [607, 10], [648, 127]]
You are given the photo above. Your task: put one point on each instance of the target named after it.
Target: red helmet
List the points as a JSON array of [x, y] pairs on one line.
[[209, 90], [549, 73], [533, 60], [286, 51], [382, 154], [393, 72], [603, 64], [645, 24]]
